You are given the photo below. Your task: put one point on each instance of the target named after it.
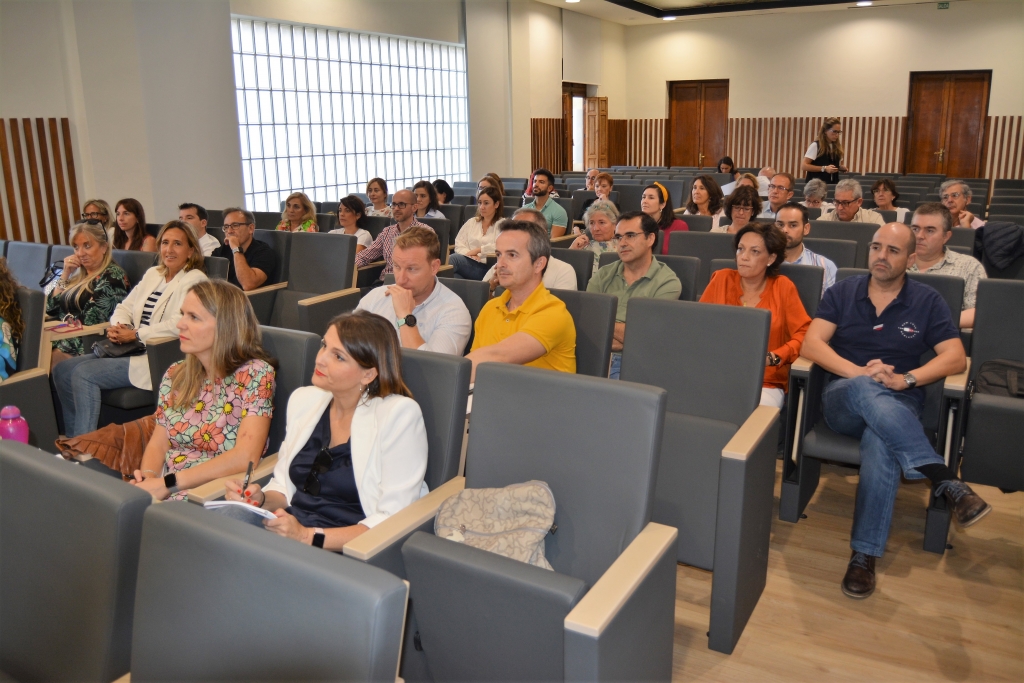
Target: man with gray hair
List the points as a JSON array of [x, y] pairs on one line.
[[848, 200], [591, 179], [559, 274], [956, 196]]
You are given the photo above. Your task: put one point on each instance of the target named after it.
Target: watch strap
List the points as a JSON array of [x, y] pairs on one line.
[[319, 537]]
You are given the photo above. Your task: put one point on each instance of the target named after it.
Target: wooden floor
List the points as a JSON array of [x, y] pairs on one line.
[[955, 617]]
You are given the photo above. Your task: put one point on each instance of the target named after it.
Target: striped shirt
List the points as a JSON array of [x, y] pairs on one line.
[[147, 308], [809, 258], [383, 247]]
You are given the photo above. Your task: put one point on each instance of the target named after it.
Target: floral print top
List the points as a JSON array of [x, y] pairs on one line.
[[209, 426], [371, 211], [109, 289], [8, 350], [307, 226]]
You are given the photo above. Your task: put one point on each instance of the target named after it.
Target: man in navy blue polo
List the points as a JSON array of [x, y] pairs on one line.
[[869, 332]]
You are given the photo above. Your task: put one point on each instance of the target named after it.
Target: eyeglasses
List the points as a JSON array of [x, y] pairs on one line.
[[629, 236], [743, 209], [779, 187], [845, 203], [93, 214], [320, 466], [399, 205], [235, 226], [952, 195]]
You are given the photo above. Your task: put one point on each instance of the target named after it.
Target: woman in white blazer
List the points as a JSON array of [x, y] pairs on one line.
[[355, 447], [151, 310]]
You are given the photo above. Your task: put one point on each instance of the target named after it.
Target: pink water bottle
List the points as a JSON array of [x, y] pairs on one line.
[[12, 425]]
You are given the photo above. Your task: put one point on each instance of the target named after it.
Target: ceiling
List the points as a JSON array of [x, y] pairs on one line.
[[634, 13]]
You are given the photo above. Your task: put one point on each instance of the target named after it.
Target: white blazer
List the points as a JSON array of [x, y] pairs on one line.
[[164, 320], [389, 450]]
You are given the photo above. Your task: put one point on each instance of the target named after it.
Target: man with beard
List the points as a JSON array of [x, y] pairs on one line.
[[869, 333], [543, 183], [795, 223]]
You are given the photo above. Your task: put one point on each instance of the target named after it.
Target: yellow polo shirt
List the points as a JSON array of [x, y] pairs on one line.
[[543, 316]]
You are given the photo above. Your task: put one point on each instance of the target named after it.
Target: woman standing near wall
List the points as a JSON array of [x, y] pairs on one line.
[[824, 158]]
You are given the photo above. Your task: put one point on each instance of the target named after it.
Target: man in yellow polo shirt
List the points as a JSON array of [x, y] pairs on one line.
[[526, 325]]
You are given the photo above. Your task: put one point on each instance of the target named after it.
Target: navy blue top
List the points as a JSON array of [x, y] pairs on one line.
[[338, 503], [914, 322]]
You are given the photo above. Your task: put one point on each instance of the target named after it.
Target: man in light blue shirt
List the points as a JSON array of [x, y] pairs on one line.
[[795, 223], [543, 183], [427, 315]]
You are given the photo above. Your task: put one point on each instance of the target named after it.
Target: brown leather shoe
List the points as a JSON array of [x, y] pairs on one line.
[[859, 581], [968, 507]]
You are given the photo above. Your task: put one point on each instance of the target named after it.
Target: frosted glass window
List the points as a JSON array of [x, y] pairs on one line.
[[322, 111]]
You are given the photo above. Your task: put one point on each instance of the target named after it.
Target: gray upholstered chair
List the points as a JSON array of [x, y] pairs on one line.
[[453, 212], [809, 280], [861, 233], [994, 429], [134, 263], [29, 387], [686, 268], [697, 223], [443, 228], [606, 612], [705, 246], [578, 259], [28, 262], [214, 218], [216, 267], [809, 441], [716, 479], [843, 253], [594, 317], [580, 197], [260, 607], [266, 220], [70, 554], [320, 264], [281, 243]]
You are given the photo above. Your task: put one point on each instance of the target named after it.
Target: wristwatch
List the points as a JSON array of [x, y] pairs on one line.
[[910, 380], [409, 320], [774, 360], [319, 537], [171, 482], [236, 250]]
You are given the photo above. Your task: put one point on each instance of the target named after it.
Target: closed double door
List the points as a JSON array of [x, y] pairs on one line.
[[946, 122], [698, 122]]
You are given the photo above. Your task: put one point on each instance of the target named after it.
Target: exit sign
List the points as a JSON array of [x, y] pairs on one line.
[[943, 5]]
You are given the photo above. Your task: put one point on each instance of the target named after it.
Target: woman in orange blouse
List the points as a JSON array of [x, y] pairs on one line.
[[760, 251]]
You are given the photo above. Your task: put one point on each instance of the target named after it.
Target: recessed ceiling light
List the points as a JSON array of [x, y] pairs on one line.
[[669, 18], [865, 3], [571, 1]]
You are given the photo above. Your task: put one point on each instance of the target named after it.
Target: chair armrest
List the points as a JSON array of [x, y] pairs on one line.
[[564, 240], [368, 274], [268, 288], [127, 678], [317, 311], [214, 490], [750, 434], [622, 629], [956, 385], [680, 211], [801, 367], [445, 271], [24, 375], [328, 297], [393, 531], [49, 336], [263, 299]]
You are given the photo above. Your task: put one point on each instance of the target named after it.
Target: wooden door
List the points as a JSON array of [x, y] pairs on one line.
[[698, 120], [946, 122], [569, 91], [595, 133]]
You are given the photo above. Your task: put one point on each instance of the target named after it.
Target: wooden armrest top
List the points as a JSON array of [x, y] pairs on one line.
[[564, 238], [156, 341], [25, 375], [958, 383], [595, 611], [127, 678], [214, 490], [375, 264], [445, 269], [83, 332], [268, 288], [801, 364], [327, 297], [400, 524], [750, 433]]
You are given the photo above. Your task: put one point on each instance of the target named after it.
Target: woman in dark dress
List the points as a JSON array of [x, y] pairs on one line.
[[824, 158]]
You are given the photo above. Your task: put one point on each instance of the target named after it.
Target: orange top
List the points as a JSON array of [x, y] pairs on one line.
[[789, 319]]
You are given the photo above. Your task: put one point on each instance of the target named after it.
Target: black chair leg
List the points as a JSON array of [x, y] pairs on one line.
[[796, 494], [936, 526]]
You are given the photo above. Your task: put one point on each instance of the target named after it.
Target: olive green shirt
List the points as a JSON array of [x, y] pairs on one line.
[[660, 282]]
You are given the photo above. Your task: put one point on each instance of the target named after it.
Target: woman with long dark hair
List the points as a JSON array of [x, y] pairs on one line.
[[824, 157], [705, 200], [426, 200], [657, 203], [130, 231]]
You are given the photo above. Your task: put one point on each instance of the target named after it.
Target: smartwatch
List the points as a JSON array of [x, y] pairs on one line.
[[171, 482], [409, 320], [319, 537], [236, 250], [910, 380]]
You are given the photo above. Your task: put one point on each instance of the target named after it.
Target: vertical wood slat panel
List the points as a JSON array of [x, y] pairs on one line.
[[5, 166], [1005, 153], [40, 232], [19, 165], [70, 158], [66, 218], [54, 233]]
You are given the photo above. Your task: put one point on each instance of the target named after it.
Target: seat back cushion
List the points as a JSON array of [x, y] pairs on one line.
[[594, 317], [33, 307], [296, 354], [321, 263], [134, 263]]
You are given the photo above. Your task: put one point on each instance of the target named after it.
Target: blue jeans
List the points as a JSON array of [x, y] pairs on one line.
[[892, 441], [467, 268], [616, 366], [79, 382]]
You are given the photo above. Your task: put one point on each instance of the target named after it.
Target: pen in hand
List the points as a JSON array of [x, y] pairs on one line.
[[245, 482]]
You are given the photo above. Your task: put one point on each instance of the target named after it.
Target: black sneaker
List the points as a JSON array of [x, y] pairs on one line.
[[968, 507]]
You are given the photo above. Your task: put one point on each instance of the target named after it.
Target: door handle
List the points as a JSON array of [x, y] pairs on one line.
[[700, 160], [939, 154]]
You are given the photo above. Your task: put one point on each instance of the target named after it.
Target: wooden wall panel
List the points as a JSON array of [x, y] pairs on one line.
[[29, 209], [547, 141], [617, 142], [1005, 153], [645, 142]]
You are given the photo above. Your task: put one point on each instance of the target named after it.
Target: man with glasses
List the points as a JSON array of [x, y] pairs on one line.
[[780, 191], [250, 262], [592, 174], [636, 274], [795, 223], [403, 210], [956, 196], [848, 200], [196, 216]]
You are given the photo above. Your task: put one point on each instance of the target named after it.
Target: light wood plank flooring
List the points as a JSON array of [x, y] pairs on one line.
[[955, 617]]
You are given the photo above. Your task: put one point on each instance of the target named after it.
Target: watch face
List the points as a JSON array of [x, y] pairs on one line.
[[410, 320]]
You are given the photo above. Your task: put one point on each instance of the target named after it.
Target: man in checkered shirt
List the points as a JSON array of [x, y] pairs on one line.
[[403, 210]]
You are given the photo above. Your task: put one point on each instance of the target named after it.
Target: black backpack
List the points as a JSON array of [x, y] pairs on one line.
[[999, 378]]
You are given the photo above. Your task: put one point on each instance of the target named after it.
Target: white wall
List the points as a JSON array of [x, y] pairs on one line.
[[613, 68], [31, 70], [849, 63], [581, 48], [544, 42]]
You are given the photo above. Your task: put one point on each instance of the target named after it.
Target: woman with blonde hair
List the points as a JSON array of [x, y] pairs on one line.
[[377, 193], [90, 287], [476, 237], [824, 157], [492, 180], [355, 448], [12, 325], [299, 214], [150, 311], [97, 212], [214, 408]]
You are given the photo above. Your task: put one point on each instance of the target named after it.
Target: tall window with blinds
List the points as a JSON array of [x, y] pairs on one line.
[[322, 111]]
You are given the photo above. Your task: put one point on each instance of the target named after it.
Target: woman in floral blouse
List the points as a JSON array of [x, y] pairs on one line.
[[214, 410], [90, 287], [12, 326], [299, 214]]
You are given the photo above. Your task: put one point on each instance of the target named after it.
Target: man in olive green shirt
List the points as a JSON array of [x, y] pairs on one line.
[[636, 274]]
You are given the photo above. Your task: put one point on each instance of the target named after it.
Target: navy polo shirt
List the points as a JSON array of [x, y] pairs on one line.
[[915, 321]]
